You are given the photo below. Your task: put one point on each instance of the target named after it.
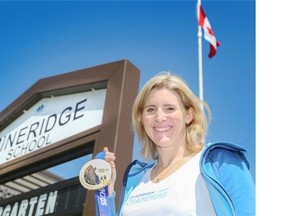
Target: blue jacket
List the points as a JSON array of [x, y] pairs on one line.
[[225, 170]]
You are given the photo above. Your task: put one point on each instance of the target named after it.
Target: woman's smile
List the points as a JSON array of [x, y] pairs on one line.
[[162, 129]]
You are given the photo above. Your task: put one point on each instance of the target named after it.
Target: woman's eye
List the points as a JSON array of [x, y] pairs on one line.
[[170, 109], [149, 110]]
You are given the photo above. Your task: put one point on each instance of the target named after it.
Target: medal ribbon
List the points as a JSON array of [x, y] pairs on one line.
[[102, 194]]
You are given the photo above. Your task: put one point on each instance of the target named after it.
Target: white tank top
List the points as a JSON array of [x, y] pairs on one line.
[[183, 193]]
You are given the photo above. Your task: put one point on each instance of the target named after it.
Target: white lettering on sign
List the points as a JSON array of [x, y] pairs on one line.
[[51, 120], [40, 205]]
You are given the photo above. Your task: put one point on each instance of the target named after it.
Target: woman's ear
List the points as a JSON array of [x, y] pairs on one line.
[[189, 115]]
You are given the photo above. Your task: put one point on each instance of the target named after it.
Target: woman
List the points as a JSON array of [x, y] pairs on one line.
[[188, 177]]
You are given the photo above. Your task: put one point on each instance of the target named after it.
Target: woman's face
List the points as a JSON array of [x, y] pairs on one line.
[[164, 118]]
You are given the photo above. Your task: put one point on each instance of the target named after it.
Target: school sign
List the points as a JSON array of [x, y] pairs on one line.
[[61, 118]]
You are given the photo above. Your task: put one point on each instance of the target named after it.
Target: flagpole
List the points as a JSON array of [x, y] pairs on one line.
[[200, 67]]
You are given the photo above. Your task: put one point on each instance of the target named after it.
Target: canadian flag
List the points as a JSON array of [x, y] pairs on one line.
[[208, 33]]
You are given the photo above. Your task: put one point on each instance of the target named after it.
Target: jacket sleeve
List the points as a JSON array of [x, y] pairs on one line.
[[231, 168]]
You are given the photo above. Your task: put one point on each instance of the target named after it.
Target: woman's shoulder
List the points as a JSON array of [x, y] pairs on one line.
[[224, 145], [135, 171], [223, 151]]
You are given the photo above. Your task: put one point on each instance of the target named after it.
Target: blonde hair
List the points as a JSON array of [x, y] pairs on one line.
[[196, 131]]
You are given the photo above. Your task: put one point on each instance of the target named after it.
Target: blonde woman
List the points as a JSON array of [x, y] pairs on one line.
[[187, 176]]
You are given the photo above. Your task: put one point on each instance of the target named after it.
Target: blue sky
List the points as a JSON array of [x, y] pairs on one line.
[[44, 38]]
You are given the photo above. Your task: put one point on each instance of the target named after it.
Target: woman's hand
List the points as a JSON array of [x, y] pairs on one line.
[[110, 157]]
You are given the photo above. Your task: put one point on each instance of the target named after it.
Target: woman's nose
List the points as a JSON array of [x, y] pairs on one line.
[[160, 116]]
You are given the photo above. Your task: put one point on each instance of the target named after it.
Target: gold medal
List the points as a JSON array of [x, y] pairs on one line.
[[95, 174]]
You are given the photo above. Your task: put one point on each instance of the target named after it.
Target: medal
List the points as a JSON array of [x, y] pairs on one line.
[[95, 174]]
